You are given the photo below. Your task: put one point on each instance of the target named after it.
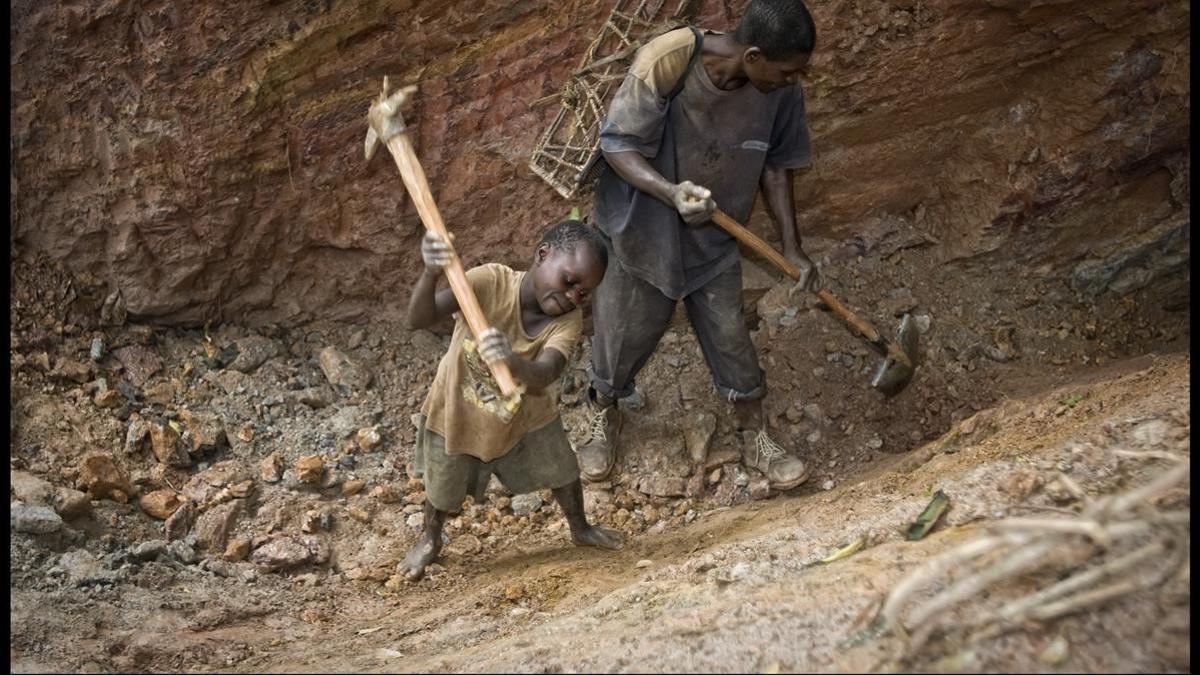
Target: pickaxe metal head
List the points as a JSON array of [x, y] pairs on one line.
[[384, 117], [896, 370]]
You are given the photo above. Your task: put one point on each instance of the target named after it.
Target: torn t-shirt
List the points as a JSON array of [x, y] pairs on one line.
[[717, 139]]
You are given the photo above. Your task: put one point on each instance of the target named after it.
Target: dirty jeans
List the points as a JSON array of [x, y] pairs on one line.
[[630, 316]]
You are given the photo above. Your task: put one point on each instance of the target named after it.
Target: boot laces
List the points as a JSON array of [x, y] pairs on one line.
[[596, 428], [766, 448]]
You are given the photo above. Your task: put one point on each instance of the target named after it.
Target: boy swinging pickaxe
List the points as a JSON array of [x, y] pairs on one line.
[[387, 127]]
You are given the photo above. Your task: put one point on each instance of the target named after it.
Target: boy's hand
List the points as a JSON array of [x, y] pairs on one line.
[[436, 252], [493, 346], [694, 203]]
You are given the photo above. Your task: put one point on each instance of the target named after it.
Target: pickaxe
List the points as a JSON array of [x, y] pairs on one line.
[[899, 356], [387, 126]]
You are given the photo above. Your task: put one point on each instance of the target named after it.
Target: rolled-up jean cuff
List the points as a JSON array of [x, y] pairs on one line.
[[733, 395], [607, 389]]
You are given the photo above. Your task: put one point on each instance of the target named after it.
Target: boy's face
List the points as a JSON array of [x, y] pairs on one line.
[[767, 75], [562, 278]]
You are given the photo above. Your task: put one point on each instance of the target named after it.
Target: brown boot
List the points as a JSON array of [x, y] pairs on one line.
[[783, 470], [598, 453]]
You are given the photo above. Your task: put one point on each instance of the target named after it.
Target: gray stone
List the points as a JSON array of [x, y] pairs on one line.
[[70, 503], [139, 363], [30, 489], [180, 523], [1151, 433], [82, 568], [924, 321], [1160, 251], [344, 422], [182, 550], [698, 434], [661, 485], [287, 553], [523, 505], [149, 550], [33, 519], [814, 413], [252, 352], [214, 526], [759, 488], [346, 375]]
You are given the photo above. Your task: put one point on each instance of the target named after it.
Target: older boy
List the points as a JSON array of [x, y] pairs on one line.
[[469, 431], [736, 124]]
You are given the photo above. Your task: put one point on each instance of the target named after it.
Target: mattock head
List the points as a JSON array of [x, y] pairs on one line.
[[384, 119]]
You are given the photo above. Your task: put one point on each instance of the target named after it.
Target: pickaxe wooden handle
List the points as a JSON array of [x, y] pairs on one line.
[[764, 249], [387, 125]]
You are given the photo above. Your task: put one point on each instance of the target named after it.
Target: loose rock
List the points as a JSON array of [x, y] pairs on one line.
[[252, 351], [310, 469], [698, 434], [206, 431], [99, 475], [33, 519], [271, 468], [523, 505], [345, 375], [180, 522], [160, 503], [164, 442], [368, 438], [386, 494]]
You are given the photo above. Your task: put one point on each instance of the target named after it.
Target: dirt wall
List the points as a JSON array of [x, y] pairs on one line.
[[206, 161]]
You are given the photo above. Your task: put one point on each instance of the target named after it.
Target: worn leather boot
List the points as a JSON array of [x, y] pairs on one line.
[[783, 470], [598, 453]]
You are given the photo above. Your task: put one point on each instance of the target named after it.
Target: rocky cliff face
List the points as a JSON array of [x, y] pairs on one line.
[[206, 161]]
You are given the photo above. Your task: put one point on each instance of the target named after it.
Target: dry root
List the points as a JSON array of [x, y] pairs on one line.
[[1114, 546]]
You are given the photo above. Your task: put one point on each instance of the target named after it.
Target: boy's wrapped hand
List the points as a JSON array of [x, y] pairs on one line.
[[494, 346], [436, 252]]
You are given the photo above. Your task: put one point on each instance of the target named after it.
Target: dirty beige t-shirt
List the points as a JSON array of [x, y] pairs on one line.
[[464, 405]]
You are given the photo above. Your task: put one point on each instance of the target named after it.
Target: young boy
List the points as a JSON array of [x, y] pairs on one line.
[[469, 431]]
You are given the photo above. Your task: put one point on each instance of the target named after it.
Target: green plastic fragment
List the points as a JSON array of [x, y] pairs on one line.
[[929, 517]]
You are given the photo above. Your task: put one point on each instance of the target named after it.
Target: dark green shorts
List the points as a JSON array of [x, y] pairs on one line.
[[543, 459]]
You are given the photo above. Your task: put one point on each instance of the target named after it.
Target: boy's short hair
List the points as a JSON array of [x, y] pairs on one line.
[[780, 28], [566, 235]]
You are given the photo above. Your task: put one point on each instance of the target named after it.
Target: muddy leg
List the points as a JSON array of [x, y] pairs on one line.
[[428, 546], [570, 499]]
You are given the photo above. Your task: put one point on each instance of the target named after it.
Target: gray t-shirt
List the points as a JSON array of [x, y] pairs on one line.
[[718, 139]]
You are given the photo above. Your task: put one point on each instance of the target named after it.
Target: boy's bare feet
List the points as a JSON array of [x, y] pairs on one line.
[[600, 537], [583, 533], [424, 553], [427, 548]]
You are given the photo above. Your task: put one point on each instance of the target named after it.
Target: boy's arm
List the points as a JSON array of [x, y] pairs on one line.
[[427, 304], [776, 184], [536, 374]]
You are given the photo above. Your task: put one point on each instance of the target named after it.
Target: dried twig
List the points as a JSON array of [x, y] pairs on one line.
[[1016, 546]]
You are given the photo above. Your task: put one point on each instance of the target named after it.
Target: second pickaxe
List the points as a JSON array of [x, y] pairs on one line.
[[387, 126], [899, 356]]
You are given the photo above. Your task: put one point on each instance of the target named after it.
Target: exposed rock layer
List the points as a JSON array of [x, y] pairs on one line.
[[207, 161]]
